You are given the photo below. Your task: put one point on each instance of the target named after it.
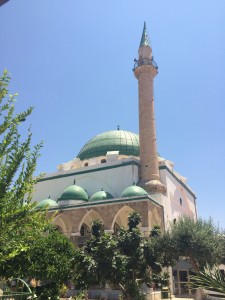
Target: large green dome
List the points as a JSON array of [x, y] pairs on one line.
[[126, 142]]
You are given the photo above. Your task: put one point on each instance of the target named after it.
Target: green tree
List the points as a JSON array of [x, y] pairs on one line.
[[126, 260], [136, 269], [20, 224], [161, 247], [200, 242], [49, 259], [99, 261]]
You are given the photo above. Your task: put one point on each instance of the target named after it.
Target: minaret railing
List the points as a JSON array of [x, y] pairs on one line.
[[144, 61]]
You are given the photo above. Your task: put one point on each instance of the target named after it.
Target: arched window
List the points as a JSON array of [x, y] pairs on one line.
[[58, 228], [86, 164], [85, 231], [103, 160], [116, 228]]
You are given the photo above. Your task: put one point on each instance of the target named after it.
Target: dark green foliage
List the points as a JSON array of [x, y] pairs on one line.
[[20, 225], [223, 248], [48, 291], [48, 258], [99, 261], [198, 241], [83, 270], [156, 231], [133, 220], [97, 229], [137, 267], [51, 257], [161, 248], [127, 260], [160, 280]]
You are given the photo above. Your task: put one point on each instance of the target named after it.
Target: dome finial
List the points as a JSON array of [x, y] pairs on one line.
[[118, 127], [144, 37]]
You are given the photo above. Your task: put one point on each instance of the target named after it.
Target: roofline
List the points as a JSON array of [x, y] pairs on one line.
[[107, 202], [180, 181], [121, 164]]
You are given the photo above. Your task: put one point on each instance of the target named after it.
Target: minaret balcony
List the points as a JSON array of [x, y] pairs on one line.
[[144, 61]]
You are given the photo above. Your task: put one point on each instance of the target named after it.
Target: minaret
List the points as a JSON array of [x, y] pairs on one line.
[[145, 69]]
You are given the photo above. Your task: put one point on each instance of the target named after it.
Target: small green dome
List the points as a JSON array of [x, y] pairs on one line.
[[133, 190], [101, 195], [47, 203], [126, 142], [74, 192]]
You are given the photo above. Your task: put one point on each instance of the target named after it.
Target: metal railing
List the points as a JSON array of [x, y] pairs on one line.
[[144, 61], [18, 289]]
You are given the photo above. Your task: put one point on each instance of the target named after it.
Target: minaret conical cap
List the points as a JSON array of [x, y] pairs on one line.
[[144, 38]]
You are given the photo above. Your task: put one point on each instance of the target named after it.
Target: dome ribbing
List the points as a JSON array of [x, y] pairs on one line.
[[126, 142]]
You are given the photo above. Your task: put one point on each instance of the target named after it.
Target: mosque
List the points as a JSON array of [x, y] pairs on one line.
[[117, 172]]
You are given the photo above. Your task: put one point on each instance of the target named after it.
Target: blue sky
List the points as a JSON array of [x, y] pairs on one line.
[[73, 60]]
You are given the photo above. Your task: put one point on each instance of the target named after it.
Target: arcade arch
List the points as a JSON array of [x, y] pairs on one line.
[[89, 218], [121, 218], [63, 224]]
